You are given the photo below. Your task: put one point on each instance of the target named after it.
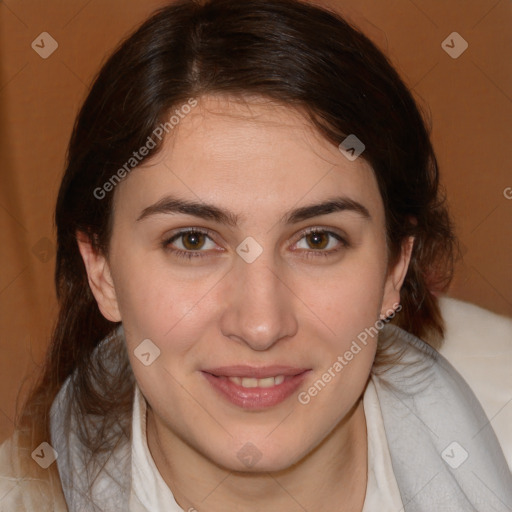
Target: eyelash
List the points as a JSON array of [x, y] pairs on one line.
[[197, 254]]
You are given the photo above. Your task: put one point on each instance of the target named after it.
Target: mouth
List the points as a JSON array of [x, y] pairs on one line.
[[255, 388]]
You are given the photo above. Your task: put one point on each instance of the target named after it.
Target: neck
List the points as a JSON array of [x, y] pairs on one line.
[[334, 472]]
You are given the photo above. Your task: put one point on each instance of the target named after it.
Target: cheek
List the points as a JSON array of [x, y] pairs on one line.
[[152, 301], [347, 298], [346, 304]]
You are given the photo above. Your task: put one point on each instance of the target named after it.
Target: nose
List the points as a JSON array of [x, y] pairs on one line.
[[260, 308]]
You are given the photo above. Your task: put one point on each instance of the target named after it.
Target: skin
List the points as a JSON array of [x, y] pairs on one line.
[[259, 161]]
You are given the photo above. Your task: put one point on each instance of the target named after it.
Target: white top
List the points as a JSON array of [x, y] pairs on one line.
[[382, 488], [149, 492]]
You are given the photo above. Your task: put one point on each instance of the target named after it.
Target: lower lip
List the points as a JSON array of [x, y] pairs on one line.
[[255, 398]]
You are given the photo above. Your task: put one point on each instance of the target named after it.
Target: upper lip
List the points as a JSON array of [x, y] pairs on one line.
[[258, 372]]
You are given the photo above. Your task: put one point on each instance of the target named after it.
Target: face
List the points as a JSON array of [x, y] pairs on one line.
[[252, 254]]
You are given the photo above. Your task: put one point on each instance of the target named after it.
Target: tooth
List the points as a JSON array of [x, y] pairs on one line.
[[268, 382], [249, 382], [279, 379], [252, 382]]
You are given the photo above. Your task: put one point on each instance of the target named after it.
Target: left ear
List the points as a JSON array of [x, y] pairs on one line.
[[395, 278]]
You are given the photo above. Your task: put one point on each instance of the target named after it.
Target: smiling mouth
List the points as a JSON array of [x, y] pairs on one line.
[[255, 388]]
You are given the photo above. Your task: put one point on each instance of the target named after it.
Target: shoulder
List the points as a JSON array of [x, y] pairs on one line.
[[470, 325], [478, 343], [435, 423], [23, 492]]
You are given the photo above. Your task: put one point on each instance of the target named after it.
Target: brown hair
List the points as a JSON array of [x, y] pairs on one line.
[[288, 51]]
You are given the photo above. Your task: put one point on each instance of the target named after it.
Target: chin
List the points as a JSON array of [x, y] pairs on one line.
[[260, 456]]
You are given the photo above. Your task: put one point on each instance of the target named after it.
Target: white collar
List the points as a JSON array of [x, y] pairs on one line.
[[382, 491], [149, 492]]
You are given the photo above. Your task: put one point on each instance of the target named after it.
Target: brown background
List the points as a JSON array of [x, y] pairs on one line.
[[470, 100]]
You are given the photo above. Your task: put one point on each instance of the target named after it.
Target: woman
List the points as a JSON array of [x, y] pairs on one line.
[[250, 203]]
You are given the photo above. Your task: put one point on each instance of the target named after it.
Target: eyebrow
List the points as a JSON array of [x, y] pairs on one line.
[[173, 205]]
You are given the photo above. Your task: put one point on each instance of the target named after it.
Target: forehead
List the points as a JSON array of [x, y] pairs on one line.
[[252, 154]]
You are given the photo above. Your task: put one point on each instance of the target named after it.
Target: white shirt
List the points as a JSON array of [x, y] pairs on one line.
[[382, 492], [149, 492]]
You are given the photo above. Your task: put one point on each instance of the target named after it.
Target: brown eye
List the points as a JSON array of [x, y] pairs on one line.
[[193, 240], [189, 243], [317, 240], [321, 242]]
